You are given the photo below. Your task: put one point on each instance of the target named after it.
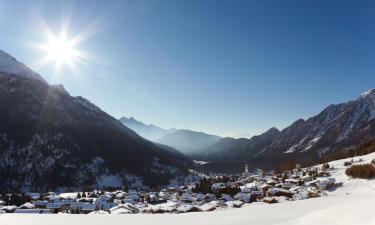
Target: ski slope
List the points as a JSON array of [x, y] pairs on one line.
[[351, 204]]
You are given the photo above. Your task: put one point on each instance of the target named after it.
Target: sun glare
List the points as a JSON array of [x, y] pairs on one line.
[[63, 48], [60, 50]]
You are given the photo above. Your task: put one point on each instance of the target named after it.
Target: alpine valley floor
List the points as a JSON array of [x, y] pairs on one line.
[[351, 204]]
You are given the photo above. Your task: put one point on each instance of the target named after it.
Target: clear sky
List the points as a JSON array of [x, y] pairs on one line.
[[233, 68]]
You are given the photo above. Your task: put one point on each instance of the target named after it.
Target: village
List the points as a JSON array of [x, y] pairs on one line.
[[211, 192]]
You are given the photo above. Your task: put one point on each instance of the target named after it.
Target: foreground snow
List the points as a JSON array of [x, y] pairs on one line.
[[348, 205]]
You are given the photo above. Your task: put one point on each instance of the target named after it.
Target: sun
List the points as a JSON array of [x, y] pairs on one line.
[[61, 50]]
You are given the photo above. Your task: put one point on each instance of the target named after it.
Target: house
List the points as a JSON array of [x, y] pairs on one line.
[[120, 195], [157, 200], [325, 183], [188, 198], [165, 208], [88, 207], [54, 198], [207, 207], [128, 200], [27, 205], [108, 206], [256, 194], [9, 209], [271, 182], [187, 208], [217, 186], [67, 202], [245, 189], [245, 197], [33, 211], [210, 197], [306, 178], [76, 207], [121, 211], [286, 185], [201, 197], [280, 192], [265, 187], [104, 198], [55, 207], [237, 204], [292, 181], [226, 197], [312, 193], [124, 209], [40, 204]]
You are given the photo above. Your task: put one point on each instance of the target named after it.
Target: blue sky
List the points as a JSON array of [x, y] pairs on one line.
[[233, 68]]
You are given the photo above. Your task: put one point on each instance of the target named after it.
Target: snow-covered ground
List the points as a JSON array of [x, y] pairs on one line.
[[351, 204]]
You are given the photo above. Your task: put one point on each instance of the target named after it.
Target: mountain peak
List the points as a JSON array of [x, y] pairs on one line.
[[370, 92], [132, 119], [273, 129], [9, 64]]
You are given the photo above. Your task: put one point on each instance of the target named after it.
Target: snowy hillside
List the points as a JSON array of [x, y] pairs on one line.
[[347, 205]]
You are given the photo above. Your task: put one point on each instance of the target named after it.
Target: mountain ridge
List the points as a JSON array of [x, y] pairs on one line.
[[338, 127], [150, 131], [51, 140], [184, 140]]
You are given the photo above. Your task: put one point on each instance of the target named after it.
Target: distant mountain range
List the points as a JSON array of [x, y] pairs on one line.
[[51, 140], [338, 128], [150, 132], [187, 141]]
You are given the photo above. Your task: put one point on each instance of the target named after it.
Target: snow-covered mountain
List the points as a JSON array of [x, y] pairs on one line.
[[337, 128], [50, 139], [150, 132]]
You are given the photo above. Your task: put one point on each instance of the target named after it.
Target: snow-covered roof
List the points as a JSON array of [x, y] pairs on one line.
[[27, 205]]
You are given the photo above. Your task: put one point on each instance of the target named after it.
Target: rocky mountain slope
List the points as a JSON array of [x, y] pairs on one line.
[[50, 139], [337, 128]]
